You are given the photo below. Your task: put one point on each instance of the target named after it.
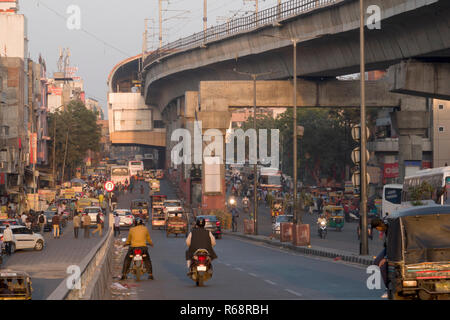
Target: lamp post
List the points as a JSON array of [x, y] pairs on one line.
[[295, 135], [54, 147], [364, 250], [255, 166]]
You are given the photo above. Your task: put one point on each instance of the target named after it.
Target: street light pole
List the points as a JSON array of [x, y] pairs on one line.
[[255, 167], [294, 75], [364, 250]]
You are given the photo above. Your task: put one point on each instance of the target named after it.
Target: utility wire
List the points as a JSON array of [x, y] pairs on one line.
[[40, 2]]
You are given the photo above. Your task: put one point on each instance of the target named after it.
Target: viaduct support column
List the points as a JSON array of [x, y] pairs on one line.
[[411, 124]]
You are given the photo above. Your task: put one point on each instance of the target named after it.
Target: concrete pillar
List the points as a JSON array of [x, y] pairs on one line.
[[412, 124]]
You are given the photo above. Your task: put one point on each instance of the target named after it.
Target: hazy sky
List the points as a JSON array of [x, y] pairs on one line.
[[119, 24]]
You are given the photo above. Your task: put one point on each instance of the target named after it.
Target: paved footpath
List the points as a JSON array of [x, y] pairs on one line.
[[47, 268]]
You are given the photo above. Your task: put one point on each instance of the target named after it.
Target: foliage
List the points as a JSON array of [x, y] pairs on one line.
[[77, 126], [419, 193]]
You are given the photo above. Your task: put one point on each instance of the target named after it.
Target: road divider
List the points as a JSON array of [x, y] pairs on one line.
[[337, 255], [94, 275]]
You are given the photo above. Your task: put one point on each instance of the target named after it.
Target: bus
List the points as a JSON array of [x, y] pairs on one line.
[[439, 193], [135, 166], [120, 174], [392, 199]]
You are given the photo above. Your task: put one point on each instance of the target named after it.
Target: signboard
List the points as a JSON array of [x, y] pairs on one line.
[[391, 170], [55, 91], [109, 186], [33, 148]]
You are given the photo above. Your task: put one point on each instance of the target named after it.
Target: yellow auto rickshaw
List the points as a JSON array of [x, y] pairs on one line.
[[335, 217], [15, 285]]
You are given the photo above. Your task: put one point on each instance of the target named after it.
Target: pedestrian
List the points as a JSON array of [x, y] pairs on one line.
[[116, 225], [10, 213], [55, 224], [99, 224], [8, 239], [76, 224], [234, 216], [24, 218], [86, 225], [42, 221]]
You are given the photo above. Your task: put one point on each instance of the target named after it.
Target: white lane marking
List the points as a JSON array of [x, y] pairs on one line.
[[253, 275], [239, 269], [227, 264], [294, 293], [270, 282]]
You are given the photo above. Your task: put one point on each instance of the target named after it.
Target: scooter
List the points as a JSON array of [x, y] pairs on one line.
[[323, 230], [201, 267]]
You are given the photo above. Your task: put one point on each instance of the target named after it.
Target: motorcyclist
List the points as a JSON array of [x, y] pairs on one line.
[[245, 202], [138, 238], [199, 238], [321, 219]]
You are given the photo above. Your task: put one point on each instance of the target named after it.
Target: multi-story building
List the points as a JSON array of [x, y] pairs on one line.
[[441, 133]]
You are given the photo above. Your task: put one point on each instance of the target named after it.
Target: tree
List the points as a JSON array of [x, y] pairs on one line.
[[77, 126]]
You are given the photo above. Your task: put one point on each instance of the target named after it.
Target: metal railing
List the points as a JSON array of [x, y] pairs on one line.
[[269, 16]]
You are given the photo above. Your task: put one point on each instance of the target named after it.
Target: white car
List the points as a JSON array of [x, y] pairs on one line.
[[92, 212], [172, 206], [24, 238], [126, 217]]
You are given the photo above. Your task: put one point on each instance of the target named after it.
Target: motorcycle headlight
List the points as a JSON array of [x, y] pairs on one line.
[[323, 223], [232, 201]]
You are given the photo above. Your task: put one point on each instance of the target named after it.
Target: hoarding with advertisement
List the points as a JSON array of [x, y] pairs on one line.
[[33, 148], [391, 170]]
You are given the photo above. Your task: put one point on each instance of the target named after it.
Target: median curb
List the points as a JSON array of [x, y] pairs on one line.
[[312, 250]]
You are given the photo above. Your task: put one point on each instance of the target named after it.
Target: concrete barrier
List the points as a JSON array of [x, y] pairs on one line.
[[95, 273]]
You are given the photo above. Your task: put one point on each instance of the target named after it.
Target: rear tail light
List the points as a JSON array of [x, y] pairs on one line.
[[410, 283], [1, 238], [218, 223], [202, 259], [137, 252]]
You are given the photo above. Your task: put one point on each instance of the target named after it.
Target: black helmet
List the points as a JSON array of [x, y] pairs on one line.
[[201, 222], [139, 222]]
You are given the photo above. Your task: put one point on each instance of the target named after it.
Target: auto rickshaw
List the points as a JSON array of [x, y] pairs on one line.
[[158, 216], [140, 204], [177, 223], [335, 217], [277, 208], [418, 253], [15, 285]]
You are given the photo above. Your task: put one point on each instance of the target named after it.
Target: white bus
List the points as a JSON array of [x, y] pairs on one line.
[[120, 174], [135, 166], [392, 199], [438, 179]]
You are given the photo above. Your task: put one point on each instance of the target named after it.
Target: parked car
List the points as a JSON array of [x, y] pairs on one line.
[[24, 239], [126, 217], [92, 212], [212, 224], [11, 222], [276, 226]]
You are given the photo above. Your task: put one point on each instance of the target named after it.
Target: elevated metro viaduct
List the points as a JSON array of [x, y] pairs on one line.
[[135, 128], [195, 79]]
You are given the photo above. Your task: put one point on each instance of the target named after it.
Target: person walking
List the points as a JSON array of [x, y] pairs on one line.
[[116, 225], [76, 224], [86, 225], [99, 224], [234, 216], [55, 223], [24, 219], [8, 239], [42, 219]]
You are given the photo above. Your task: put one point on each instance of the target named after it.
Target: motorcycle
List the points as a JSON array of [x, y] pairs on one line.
[[137, 263], [322, 230], [201, 267]]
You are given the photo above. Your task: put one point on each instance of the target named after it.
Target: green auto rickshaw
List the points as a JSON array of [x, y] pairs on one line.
[[335, 217]]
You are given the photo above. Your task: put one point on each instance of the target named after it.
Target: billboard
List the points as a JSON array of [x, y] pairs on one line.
[[391, 170]]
